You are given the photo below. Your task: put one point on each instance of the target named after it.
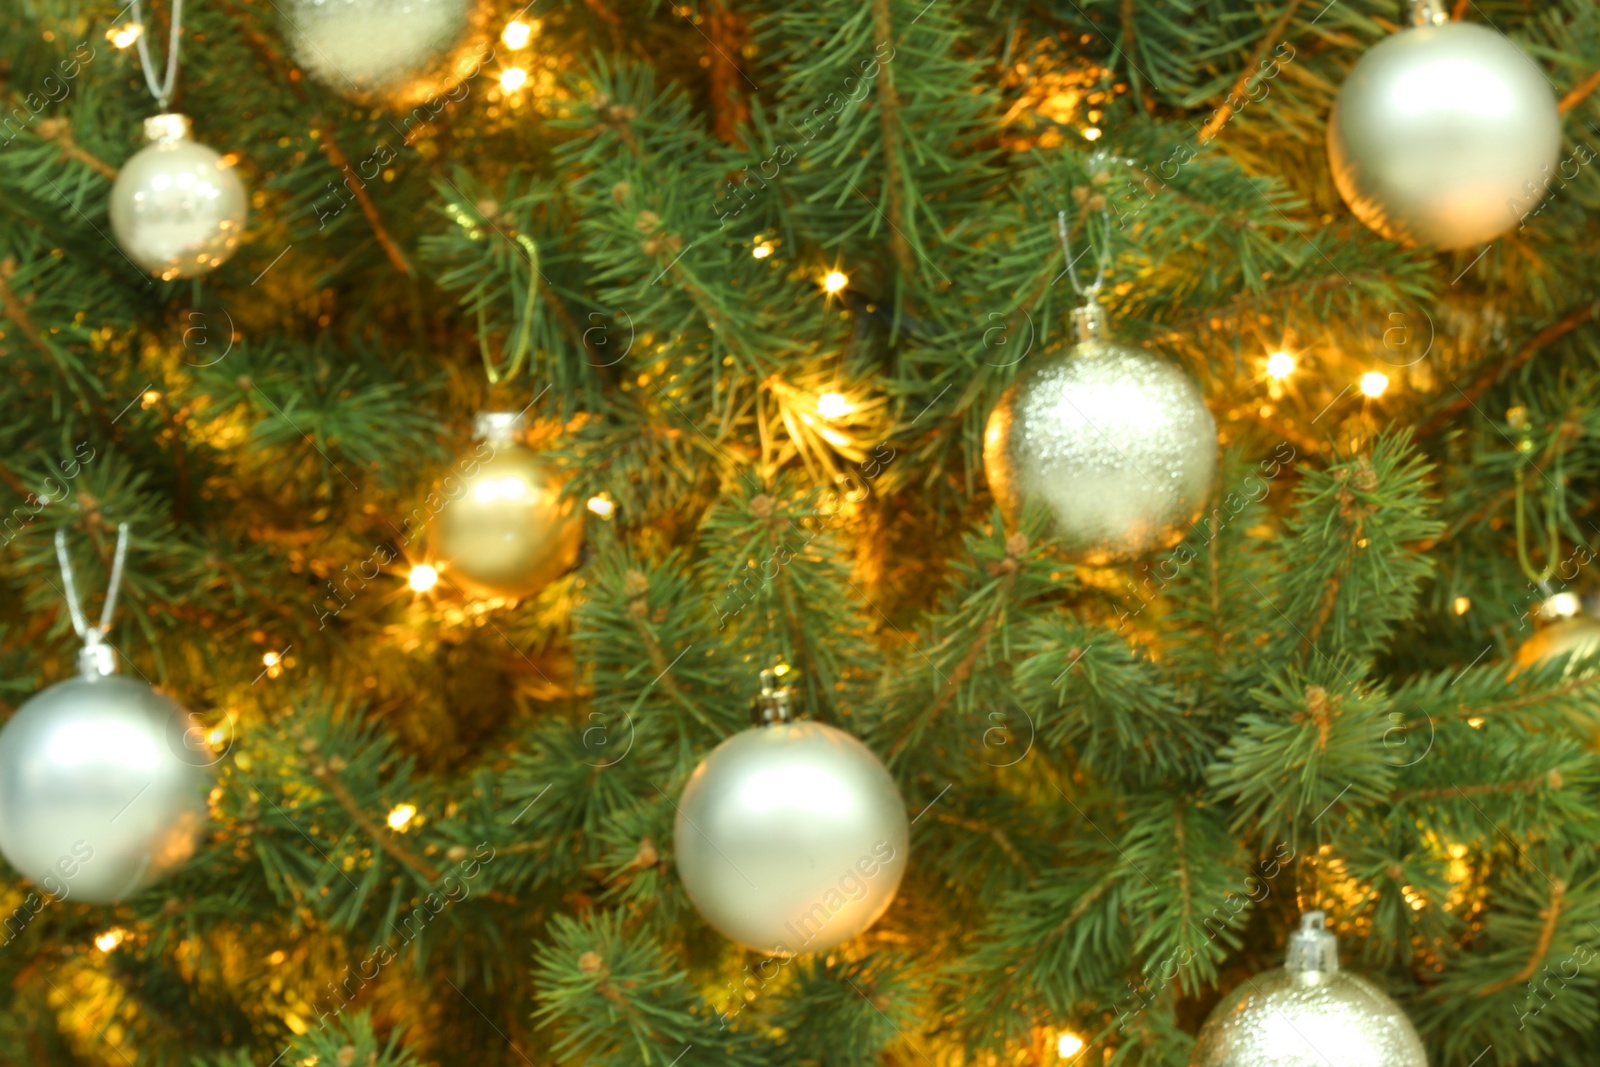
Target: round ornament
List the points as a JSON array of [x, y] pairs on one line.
[[177, 208], [504, 530], [1443, 134], [1577, 636], [1308, 1013], [392, 52], [1115, 442], [791, 837]]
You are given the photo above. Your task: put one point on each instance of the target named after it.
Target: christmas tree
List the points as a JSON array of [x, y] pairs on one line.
[[739, 287]]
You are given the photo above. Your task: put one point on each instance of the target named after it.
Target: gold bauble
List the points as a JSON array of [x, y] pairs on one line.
[[504, 530], [1578, 635]]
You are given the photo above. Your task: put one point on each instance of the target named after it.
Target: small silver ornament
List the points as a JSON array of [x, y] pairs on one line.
[[178, 208], [504, 529], [1444, 134], [1116, 442], [791, 837], [395, 52], [1308, 1014]]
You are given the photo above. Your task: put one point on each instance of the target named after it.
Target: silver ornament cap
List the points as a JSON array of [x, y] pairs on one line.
[[1309, 1013], [178, 208], [792, 837], [1444, 134]]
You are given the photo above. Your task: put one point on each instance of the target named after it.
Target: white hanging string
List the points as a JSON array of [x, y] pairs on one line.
[[162, 91], [1066, 247], [80, 622]]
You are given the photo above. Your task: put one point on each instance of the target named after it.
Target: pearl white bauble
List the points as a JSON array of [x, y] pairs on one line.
[[394, 52], [1444, 135], [791, 838], [1115, 442], [177, 207], [101, 792]]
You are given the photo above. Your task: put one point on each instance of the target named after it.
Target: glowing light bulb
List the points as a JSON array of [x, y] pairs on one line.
[[1373, 383], [602, 507], [423, 578], [1462, 605], [1563, 605], [1092, 133], [123, 36], [1280, 365], [271, 659], [110, 939], [835, 281], [516, 34], [513, 78], [1069, 1045], [834, 406], [762, 250], [401, 817]]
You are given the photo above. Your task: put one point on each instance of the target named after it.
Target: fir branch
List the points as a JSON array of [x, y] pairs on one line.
[[889, 127], [58, 131], [380, 835], [1252, 67], [1551, 916], [340, 163], [19, 315], [1579, 93]]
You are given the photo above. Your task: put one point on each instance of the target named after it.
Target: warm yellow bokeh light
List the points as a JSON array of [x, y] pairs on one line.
[[401, 817], [601, 506], [1092, 133], [1069, 1045], [1373, 383], [110, 939], [123, 36], [517, 34], [834, 406], [1280, 365], [1463, 605], [835, 281], [762, 250], [513, 78], [423, 578], [1563, 605], [271, 659]]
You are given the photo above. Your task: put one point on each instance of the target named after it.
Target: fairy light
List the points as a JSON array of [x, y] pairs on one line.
[[1373, 383], [517, 34], [401, 817], [602, 506], [835, 281], [513, 78], [762, 250], [123, 36], [1092, 133], [834, 406], [423, 578], [271, 659], [1280, 365], [1069, 1044], [109, 940], [1563, 605], [1462, 605]]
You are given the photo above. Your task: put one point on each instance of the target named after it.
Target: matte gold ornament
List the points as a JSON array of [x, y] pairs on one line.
[[791, 837], [504, 530], [178, 208], [1444, 134], [1308, 1014], [398, 53], [1114, 441]]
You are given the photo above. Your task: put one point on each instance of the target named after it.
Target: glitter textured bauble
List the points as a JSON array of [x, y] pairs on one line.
[[791, 838], [1114, 441], [504, 530], [1308, 1014], [1578, 637], [1444, 135], [102, 792], [393, 52], [178, 209]]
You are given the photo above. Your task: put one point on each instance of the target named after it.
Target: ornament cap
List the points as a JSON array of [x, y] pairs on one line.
[[96, 659], [1089, 322], [1429, 13], [773, 705], [1312, 950], [499, 427], [169, 127]]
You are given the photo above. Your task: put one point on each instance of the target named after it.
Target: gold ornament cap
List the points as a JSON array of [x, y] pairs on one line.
[[1429, 13], [499, 427], [1089, 323], [169, 127], [1313, 952], [773, 705]]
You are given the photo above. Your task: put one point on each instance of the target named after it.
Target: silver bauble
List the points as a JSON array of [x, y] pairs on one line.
[[101, 792], [791, 838], [1308, 1014], [177, 207], [394, 52], [504, 529], [1114, 441], [1444, 135]]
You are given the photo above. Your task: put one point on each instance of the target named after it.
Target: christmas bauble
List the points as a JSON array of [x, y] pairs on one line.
[[1308, 1014], [177, 207], [101, 793], [1578, 636], [1444, 135], [1115, 442], [504, 530], [395, 52], [791, 838]]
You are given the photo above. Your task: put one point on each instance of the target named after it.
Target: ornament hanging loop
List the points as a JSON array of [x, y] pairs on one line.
[[1429, 12], [773, 705], [1312, 950], [161, 90], [1088, 321], [1538, 576], [96, 658]]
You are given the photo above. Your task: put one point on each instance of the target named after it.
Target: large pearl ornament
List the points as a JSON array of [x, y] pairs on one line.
[[1308, 1014], [1115, 442], [504, 530], [1444, 135], [791, 838], [101, 792], [178, 209], [394, 52]]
